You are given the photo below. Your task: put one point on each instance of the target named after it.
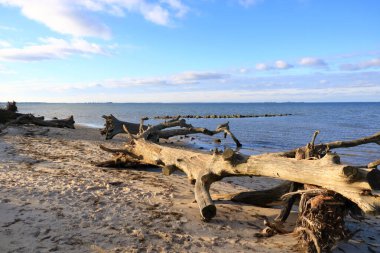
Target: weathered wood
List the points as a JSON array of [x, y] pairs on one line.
[[169, 169], [320, 224], [16, 121], [11, 106], [6, 116], [374, 164], [59, 123], [156, 132], [312, 168], [25, 119], [113, 126], [325, 147], [202, 195], [354, 184], [206, 168], [228, 154], [9, 116], [262, 198]]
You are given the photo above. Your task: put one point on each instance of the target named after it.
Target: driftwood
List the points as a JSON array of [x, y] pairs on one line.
[[60, 123], [10, 116], [310, 151], [351, 182], [113, 126], [320, 222], [315, 165], [25, 119], [264, 198]]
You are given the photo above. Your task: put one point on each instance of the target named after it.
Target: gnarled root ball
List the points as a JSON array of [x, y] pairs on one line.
[[320, 223]]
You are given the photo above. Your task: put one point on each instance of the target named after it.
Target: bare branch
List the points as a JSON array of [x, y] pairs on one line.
[[322, 148]]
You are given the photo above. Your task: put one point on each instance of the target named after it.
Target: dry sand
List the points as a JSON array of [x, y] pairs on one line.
[[52, 199]]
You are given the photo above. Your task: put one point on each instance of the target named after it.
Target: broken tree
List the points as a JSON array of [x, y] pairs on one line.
[[113, 126], [313, 165], [10, 116]]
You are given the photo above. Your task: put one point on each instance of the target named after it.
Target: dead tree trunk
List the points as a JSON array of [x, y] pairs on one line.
[[25, 119], [353, 183], [60, 123], [310, 165], [113, 126], [9, 116]]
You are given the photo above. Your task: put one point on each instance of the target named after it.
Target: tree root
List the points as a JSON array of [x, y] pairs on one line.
[[320, 224]]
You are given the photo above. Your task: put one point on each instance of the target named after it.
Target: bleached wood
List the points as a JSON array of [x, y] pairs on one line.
[[206, 169]]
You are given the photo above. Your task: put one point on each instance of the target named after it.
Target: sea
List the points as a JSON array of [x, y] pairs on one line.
[[335, 121]]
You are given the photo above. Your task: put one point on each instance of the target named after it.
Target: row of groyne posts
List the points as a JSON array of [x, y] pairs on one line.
[[226, 116]]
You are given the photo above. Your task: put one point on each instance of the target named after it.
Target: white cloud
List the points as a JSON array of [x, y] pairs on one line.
[[373, 63], [248, 3], [181, 9], [280, 64], [189, 77], [263, 66], [312, 62], [351, 86], [75, 17], [63, 16], [268, 95], [244, 70], [130, 82], [196, 77], [4, 43], [51, 48]]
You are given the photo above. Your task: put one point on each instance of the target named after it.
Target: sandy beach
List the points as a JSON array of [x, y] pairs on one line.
[[53, 199]]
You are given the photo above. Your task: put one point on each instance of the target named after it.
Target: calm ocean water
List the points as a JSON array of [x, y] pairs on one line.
[[336, 121]]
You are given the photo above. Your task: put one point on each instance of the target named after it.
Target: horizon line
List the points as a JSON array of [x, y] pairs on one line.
[[269, 102]]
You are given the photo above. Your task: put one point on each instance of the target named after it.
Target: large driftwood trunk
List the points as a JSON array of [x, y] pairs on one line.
[[359, 185], [351, 188], [352, 183]]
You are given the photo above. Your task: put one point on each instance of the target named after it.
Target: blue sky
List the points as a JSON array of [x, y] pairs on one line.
[[189, 50]]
